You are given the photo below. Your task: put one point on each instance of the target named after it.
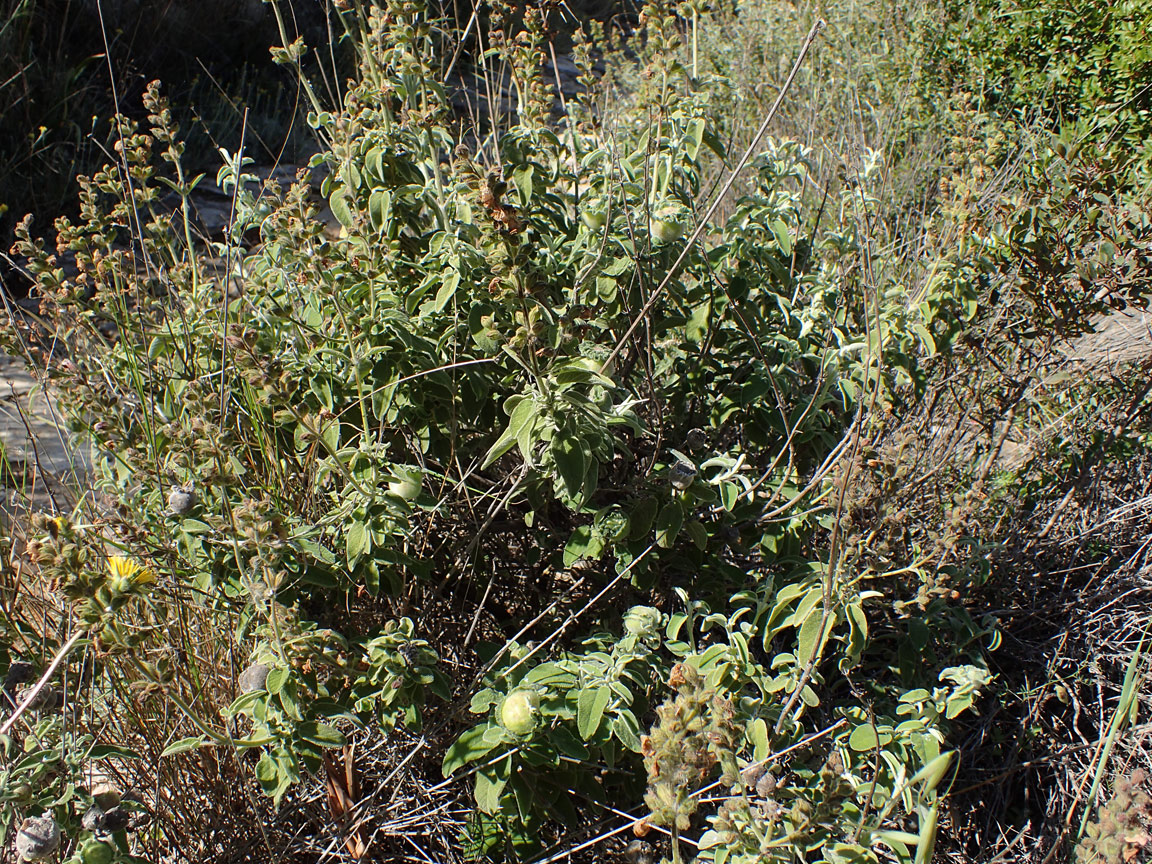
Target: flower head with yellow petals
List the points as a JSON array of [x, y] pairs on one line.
[[126, 573]]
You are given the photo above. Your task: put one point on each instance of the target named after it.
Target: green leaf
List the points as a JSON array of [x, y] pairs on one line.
[[380, 209], [110, 751], [697, 327], [551, 675], [571, 462], [483, 700], [490, 783], [857, 636], [469, 747], [183, 746], [783, 238], [289, 701], [267, 771], [322, 386], [590, 710], [865, 738], [374, 162], [275, 680], [758, 735], [522, 177], [356, 542], [925, 336], [525, 429], [619, 267], [584, 543], [641, 518], [926, 845], [355, 178], [331, 435], [320, 733], [342, 208], [693, 135], [521, 422], [568, 744], [729, 495], [932, 773], [627, 730], [698, 534], [447, 290], [668, 524], [813, 634]]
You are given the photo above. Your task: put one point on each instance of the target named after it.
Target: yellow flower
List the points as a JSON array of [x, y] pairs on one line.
[[126, 570]]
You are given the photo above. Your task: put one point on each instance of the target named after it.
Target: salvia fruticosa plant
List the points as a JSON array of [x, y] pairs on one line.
[[528, 453]]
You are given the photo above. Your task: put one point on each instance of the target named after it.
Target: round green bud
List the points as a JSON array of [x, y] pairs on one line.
[[518, 713], [666, 224], [97, 852], [407, 484], [641, 620]]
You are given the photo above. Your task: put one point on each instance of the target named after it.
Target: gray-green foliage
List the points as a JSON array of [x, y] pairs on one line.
[[506, 370]]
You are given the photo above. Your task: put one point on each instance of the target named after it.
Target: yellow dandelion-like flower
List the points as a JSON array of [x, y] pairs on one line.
[[128, 570]]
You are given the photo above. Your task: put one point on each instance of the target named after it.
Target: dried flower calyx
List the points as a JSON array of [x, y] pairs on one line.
[[694, 735], [181, 500], [253, 678], [38, 837], [1120, 831]]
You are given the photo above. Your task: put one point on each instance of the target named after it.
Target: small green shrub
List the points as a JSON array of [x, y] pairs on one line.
[[522, 392]]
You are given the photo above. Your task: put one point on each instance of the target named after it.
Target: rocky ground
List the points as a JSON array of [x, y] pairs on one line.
[[39, 465]]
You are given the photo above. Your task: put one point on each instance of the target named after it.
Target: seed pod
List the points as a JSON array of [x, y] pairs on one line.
[[681, 475], [106, 796], [47, 698], [93, 819], [38, 837], [640, 852], [19, 672], [695, 439], [667, 224], [642, 620], [407, 483], [751, 775], [253, 678], [116, 820], [410, 654], [766, 785], [181, 500]]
